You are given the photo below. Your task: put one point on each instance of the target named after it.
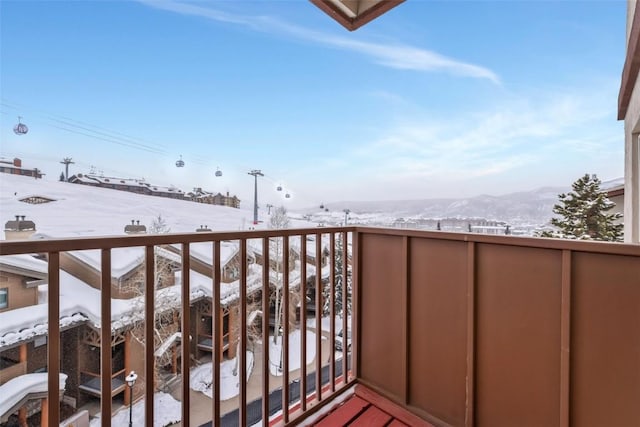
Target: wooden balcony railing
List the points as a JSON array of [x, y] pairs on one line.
[[292, 409], [475, 330], [460, 329]]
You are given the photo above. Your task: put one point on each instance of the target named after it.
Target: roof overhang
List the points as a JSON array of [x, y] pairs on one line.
[[353, 14], [631, 66], [615, 191]]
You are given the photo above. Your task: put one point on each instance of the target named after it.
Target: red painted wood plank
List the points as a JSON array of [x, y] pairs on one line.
[[372, 417], [396, 423], [345, 413], [390, 407]]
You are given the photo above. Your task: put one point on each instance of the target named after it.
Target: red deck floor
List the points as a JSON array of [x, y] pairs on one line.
[[367, 408]]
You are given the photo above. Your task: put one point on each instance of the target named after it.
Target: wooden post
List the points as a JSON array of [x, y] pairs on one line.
[[44, 413], [174, 359], [23, 352], [127, 364], [233, 331], [22, 416], [198, 321], [220, 332]]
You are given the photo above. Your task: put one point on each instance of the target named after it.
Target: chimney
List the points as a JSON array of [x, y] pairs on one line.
[[17, 162], [134, 228], [19, 229]]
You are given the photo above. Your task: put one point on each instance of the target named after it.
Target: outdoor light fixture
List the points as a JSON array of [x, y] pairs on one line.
[[131, 380]]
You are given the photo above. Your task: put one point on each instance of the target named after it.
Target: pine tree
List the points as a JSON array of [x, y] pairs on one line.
[[583, 213], [341, 285]]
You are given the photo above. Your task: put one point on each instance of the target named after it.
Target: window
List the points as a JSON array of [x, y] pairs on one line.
[[4, 298]]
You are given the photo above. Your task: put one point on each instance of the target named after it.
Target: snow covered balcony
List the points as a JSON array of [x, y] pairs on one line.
[[455, 329]]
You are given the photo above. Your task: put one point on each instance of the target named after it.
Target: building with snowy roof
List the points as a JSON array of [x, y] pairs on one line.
[[94, 211], [139, 186], [14, 167]]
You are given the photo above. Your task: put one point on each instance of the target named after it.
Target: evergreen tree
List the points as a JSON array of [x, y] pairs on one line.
[[583, 213], [342, 284], [62, 176]]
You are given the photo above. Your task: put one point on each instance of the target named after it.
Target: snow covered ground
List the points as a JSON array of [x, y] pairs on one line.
[[79, 210], [201, 378], [166, 411], [326, 323], [275, 352]]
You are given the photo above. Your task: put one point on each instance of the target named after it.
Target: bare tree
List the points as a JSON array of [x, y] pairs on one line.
[[166, 313], [278, 220], [252, 332]]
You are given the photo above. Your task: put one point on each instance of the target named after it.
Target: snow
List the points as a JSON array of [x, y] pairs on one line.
[[167, 343], [80, 210], [14, 390], [79, 302], [201, 378], [203, 251], [275, 351], [25, 262], [325, 323], [166, 411], [229, 292]]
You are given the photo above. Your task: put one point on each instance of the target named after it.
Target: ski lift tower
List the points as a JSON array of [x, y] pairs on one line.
[[256, 173], [66, 162]]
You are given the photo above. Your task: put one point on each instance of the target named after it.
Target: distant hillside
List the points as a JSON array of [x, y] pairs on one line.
[[526, 207]]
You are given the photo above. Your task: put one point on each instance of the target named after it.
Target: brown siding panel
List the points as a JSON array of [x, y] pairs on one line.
[[605, 343], [19, 295], [518, 336], [438, 332], [381, 354]]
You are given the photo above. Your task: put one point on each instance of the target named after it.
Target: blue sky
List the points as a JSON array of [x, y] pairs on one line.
[[433, 99]]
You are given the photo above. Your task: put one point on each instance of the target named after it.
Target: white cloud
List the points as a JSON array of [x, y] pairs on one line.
[[508, 138], [398, 56]]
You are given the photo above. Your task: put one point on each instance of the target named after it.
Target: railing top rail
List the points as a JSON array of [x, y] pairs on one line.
[[535, 242], [110, 242]]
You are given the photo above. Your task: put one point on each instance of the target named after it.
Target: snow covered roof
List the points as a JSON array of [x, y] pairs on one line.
[[203, 251], [229, 292], [15, 390], [80, 303], [24, 263], [85, 211]]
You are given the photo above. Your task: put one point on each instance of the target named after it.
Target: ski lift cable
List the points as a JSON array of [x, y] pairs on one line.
[[66, 120], [115, 137]]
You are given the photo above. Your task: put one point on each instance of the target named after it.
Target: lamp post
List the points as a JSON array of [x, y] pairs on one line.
[[131, 380]]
